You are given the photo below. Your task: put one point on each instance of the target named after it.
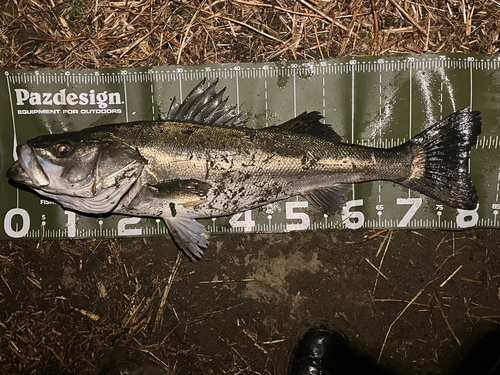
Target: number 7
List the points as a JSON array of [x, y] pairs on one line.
[[415, 204]]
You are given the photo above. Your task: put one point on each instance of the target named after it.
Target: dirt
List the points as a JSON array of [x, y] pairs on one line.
[[70, 306]]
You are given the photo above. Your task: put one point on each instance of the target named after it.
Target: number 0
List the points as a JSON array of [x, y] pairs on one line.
[[7, 223]]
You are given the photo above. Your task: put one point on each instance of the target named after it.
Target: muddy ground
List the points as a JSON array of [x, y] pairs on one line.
[[68, 306]]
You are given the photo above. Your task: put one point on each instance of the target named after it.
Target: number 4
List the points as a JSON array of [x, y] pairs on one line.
[[247, 223]]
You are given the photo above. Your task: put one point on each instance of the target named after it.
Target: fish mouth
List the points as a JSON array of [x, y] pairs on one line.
[[16, 173], [27, 169]]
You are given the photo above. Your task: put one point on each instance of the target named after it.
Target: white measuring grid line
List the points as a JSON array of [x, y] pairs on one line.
[[126, 97], [352, 118], [380, 134], [294, 94], [324, 97], [237, 94], [410, 114], [181, 96], [14, 143], [266, 102], [471, 84]]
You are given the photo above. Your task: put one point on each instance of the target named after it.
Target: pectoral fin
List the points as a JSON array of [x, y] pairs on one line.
[[191, 236], [328, 199]]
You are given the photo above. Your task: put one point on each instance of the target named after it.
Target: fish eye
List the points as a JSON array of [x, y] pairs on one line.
[[62, 149]]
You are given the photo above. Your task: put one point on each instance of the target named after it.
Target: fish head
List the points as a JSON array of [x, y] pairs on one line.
[[84, 171]]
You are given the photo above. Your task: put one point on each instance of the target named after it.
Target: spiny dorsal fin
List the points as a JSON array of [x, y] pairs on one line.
[[308, 123], [204, 106]]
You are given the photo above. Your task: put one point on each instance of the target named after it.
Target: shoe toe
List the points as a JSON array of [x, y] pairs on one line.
[[319, 352]]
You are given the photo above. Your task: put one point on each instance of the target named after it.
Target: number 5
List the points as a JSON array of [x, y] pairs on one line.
[[302, 216]]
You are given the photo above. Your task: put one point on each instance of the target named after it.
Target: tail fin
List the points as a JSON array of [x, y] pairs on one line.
[[440, 166]]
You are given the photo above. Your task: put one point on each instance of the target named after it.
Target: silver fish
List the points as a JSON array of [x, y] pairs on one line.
[[201, 162]]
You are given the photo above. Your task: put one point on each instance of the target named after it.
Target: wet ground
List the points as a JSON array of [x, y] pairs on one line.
[[419, 300]]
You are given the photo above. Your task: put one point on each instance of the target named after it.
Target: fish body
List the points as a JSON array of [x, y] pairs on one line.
[[200, 162], [206, 171]]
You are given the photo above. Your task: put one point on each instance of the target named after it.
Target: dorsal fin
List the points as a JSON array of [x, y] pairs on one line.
[[308, 123], [204, 106]]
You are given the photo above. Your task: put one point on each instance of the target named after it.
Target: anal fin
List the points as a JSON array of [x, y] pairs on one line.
[[191, 236], [328, 199]]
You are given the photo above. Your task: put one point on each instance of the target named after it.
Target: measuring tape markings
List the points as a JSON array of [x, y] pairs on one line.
[[294, 216]]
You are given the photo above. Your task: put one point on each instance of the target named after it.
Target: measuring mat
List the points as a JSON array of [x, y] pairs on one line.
[[380, 102]]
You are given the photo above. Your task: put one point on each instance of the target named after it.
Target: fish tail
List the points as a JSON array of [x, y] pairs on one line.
[[440, 162]]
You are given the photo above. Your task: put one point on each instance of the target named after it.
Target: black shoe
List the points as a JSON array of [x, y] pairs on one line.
[[484, 357], [320, 352]]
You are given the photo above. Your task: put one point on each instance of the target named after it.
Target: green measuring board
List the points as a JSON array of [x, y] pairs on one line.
[[378, 102]]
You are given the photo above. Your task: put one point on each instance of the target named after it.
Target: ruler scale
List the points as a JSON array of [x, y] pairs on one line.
[[370, 101]]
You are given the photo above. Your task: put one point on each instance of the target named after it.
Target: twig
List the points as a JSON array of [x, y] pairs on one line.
[[372, 236], [382, 244], [382, 261], [158, 360], [253, 337], [443, 240], [368, 238], [273, 342], [252, 3], [137, 42], [401, 300], [7, 285], [329, 19], [225, 281], [376, 269], [374, 42], [238, 23], [58, 40], [316, 35], [399, 316], [159, 316], [446, 320], [88, 314], [316, 10], [348, 36], [450, 277], [105, 44], [408, 17], [183, 43], [483, 317]]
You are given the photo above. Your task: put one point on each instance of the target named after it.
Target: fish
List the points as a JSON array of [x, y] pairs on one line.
[[200, 160]]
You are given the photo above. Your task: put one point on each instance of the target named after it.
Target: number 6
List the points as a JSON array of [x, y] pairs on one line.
[[353, 220]]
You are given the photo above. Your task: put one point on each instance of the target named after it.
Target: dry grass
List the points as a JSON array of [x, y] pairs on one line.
[[101, 33]]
